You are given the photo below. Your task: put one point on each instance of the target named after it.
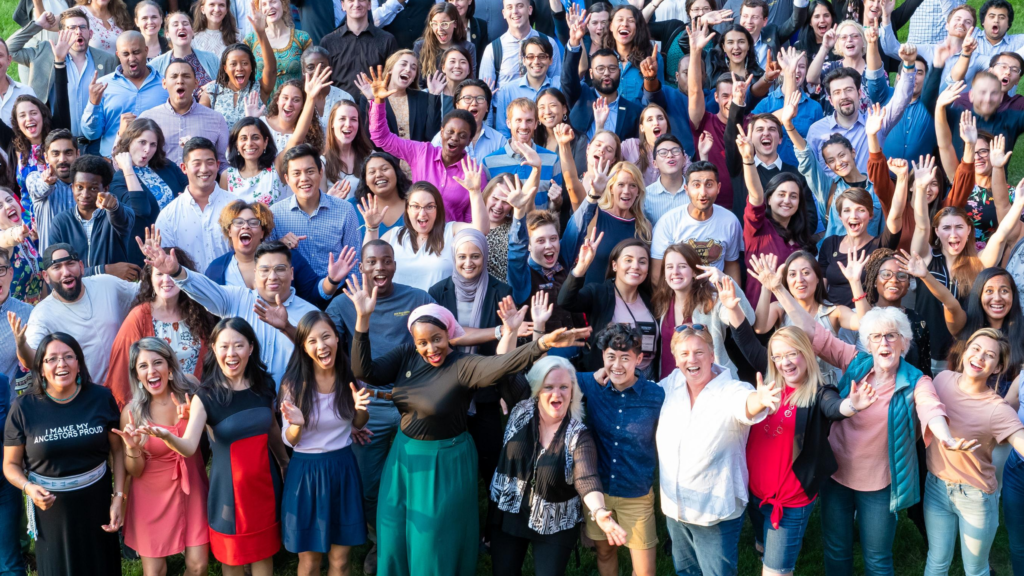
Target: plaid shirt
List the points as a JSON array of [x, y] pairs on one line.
[[928, 24], [331, 227], [198, 121]]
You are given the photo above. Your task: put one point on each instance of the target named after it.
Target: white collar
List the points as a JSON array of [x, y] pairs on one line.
[[777, 164]]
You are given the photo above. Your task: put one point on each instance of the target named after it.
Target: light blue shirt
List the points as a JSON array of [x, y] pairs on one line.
[[331, 227], [519, 88], [509, 69], [489, 142], [928, 24], [820, 184], [78, 90], [658, 201], [609, 124], [101, 122]]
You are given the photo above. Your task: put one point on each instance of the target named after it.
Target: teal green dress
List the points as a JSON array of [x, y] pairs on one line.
[[289, 59]]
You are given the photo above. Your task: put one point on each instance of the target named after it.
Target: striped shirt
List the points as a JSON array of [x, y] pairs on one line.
[[331, 227], [505, 161], [198, 121], [48, 202], [658, 201]]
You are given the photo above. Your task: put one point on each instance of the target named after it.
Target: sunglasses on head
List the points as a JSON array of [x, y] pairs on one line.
[[697, 327]]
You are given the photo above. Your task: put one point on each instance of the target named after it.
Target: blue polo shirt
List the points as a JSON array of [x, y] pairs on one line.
[[624, 425]]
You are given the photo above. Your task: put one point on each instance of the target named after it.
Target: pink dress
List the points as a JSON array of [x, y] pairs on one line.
[[167, 504]]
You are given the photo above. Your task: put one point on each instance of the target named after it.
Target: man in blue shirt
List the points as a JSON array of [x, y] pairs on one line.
[[116, 99], [623, 414], [522, 113], [914, 134], [536, 57]]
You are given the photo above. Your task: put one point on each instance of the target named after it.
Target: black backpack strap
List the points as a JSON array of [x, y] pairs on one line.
[[498, 57]]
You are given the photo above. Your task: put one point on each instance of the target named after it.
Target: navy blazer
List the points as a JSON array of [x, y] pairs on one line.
[[144, 204], [581, 100], [304, 280]]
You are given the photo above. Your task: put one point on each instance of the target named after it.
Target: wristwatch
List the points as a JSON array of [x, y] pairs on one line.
[[593, 513], [497, 332]]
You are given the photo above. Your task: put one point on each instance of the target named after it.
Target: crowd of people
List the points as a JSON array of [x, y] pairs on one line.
[[324, 275]]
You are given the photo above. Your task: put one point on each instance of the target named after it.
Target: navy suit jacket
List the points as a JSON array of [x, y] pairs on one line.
[[581, 100]]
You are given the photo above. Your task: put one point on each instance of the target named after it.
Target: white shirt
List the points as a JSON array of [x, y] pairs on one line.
[[14, 89], [93, 319], [659, 201], [184, 225], [718, 240], [420, 269], [702, 451], [777, 164], [227, 301]]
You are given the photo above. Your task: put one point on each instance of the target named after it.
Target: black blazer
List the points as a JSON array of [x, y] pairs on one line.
[[813, 458], [478, 36], [144, 204], [424, 115], [597, 301], [444, 294], [581, 100]]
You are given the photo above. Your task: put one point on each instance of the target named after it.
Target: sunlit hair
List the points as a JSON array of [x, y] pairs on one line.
[[315, 136], [335, 168], [199, 321], [119, 10], [236, 207], [142, 399], [435, 239], [679, 337], [857, 196], [839, 30], [134, 132], [539, 373], [615, 138], [804, 394], [967, 265], [1001, 341], [702, 292], [493, 185], [392, 61], [819, 289], [430, 51], [641, 42], [647, 148], [643, 225], [228, 26], [880, 320]]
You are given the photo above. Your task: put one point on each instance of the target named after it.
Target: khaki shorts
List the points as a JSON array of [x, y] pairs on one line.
[[635, 515]]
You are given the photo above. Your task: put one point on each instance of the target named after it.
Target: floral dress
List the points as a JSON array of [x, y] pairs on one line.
[[497, 246], [27, 284], [982, 210], [26, 166], [157, 187], [289, 59], [102, 38], [185, 345], [229, 103], [265, 187]]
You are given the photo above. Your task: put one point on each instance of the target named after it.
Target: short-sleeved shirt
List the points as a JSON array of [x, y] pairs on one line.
[[718, 240], [63, 439], [984, 417]]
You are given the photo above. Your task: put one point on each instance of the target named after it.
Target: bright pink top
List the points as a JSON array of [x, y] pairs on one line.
[[761, 237], [424, 160], [861, 443]]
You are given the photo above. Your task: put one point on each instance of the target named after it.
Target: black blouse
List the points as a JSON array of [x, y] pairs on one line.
[[830, 255], [433, 401]]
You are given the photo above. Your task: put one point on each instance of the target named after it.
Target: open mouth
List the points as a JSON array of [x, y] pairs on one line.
[[451, 147], [379, 280], [850, 46], [12, 215], [245, 239], [181, 92], [885, 353], [405, 77], [997, 308], [625, 34], [288, 112], [422, 223], [204, 176], [524, 135], [854, 225], [251, 150], [822, 28], [549, 257], [347, 132], [693, 371], [305, 186], [154, 382], [468, 269], [767, 142], [954, 245], [434, 358], [182, 35], [635, 276], [69, 283], [892, 291], [133, 67], [272, 14], [325, 358], [233, 364], [556, 404], [737, 54], [31, 126], [497, 213], [974, 365], [61, 373], [789, 371], [656, 131], [241, 79]]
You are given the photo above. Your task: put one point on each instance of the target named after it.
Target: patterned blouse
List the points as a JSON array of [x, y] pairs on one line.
[[157, 187], [497, 247], [209, 41], [265, 186], [26, 166], [27, 284], [289, 64], [185, 345], [229, 103], [982, 210], [102, 38]]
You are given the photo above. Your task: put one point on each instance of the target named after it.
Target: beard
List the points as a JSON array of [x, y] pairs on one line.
[[612, 89], [66, 294]]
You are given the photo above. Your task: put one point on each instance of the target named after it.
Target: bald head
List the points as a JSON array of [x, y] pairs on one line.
[[132, 52]]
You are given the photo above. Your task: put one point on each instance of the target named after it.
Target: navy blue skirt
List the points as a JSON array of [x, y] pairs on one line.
[[323, 502]]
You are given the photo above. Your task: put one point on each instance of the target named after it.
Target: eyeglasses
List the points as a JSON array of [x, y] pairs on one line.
[[667, 152], [1005, 66], [542, 57], [605, 69], [890, 337], [981, 153], [264, 271], [3, 270], [55, 360], [888, 274], [697, 327], [73, 28], [441, 25], [467, 100], [251, 222], [791, 356], [417, 208]]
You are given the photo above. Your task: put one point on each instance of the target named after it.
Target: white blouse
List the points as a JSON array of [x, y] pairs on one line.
[[420, 269]]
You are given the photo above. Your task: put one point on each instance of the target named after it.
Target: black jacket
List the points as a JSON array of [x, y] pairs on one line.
[[424, 115], [144, 204], [813, 460], [444, 294], [597, 301], [581, 101]]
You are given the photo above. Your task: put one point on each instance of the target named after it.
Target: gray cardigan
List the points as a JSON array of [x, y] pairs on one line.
[[40, 60]]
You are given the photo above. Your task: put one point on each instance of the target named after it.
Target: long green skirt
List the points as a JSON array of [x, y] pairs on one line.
[[427, 517]]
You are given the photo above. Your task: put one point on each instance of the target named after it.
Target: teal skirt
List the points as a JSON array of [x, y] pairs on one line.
[[427, 513]]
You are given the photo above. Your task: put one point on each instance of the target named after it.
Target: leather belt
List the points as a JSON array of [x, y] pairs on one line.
[[380, 395]]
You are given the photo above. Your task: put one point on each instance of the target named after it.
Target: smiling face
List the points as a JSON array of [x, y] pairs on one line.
[[201, 168], [886, 354], [736, 46], [403, 74], [785, 201], [623, 27], [631, 266], [801, 279], [498, 209], [311, 60], [132, 53], [1007, 70], [443, 27], [789, 362], [821, 21], [551, 111], [555, 395], [215, 10], [10, 211], [469, 261], [273, 9], [536, 61], [245, 238], [153, 372], [346, 124], [455, 67], [239, 69], [892, 283], [5, 280], [86, 187], [378, 264], [545, 245], [953, 233], [80, 33], [250, 143], [523, 123], [855, 217], [839, 159], [142, 149], [986, 94], [996, 297], [960, 23], [694, 358], [625, 190], [303, 177], [163, 286], [357, 9], [422, 211], [180, 83], [232, 351], [850, 42], [844, 96], [65, 278], [380, 177], [30, 121], [668, 157], [149, 20], [601, 149], [289, 104], [982, 358], [322, 345], [982, 148], [462, 6], [455, 136], [766, 137], [473, 100], [516, 13], [431, 343], [723, 96], [753, 19], [653, 123], [604, 74], [179, 30], [273, 277], [702, 188], [678, 273], [60, 365]]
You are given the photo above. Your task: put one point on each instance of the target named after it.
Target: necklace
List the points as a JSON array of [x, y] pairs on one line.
[[88, 298], [78, 387]]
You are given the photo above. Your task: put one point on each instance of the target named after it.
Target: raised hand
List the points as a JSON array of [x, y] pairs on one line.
[[318, 80], [716, 17], [997, 155], [744, 143], [124, 270], [291, 414], [530, 156], [771, 71], [541, 310], [788, 112], [182, 409], [373, 215], [21, 233], [62, 45], [564, 133], [47, 21], [704, 144], [554, 195], [379, 82], [363, 84], [710, 273], [764, 268], [96, 90], [158, 432], [699, 36], [340, 189], [899, 167], [577, 22], [18, 328], [968, 127], [768, 394], [908, 53], [564, 338], [253, 105], [258, 20], [338, 270], [912, 264], [739, 88], [924, 170], [600, 112], [649, 65], [943, 50], [588, 251], [274, 314], [472, 174], [511, 317], [861, 395], [50, 175], [163, 262], [969, 45], [515, 195], [602, 173], [854, 267], [871, 34], [950, 94], [436, 82], [363, 299], [828, 39], [874, 121], [131, 437], [123, 161], [106, 201], [360, 396], [727, 294]]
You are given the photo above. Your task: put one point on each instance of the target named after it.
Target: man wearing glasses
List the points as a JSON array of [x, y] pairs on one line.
[[474, 96], [668, 191], [536, 55]]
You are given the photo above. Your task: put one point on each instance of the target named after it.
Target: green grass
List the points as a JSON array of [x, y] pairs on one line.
[[908, 550]]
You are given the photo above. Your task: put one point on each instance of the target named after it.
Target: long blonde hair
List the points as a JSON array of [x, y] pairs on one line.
[[804, 394], [643, 225], [392, 60]]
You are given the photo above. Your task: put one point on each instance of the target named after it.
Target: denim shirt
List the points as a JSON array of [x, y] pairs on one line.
[[631, 81], [624, 425]]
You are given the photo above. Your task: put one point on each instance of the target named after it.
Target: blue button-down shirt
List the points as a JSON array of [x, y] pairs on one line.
[[610, 123], [624, 423], [631, 81], [519, 88], [78, 90], [101, 122], [913, 135], [332, 226]]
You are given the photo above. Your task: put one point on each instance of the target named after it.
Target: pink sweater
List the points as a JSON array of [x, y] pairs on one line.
[[861, 443]]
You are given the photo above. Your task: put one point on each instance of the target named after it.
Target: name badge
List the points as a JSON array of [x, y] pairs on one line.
[[649, 334]]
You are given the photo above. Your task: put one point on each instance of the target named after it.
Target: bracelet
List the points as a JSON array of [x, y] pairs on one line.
[[541, 332], [331, 280], [748, 163], [117, 495], [861, 297], [374, 229], [24, 486], [652, 78], [176, 272], [910, 67], [854, 409], [594, 198], [129, 454]]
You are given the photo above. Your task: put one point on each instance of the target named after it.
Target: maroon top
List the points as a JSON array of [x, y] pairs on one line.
[[716, 127], [761, 237]]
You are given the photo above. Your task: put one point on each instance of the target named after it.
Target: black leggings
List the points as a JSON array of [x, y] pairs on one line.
[[550, 555]]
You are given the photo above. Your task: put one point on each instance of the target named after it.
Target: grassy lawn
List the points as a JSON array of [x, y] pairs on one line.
[[908, 550]]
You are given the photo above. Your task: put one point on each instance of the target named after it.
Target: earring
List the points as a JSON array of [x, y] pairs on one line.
[[141, 387], [78, 379]]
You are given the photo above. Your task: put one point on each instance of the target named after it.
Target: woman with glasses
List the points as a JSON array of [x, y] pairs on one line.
[[445, 29], [75, 498], [640, 151], [857, 48], [887, 283], [455, 67], [786, 473]]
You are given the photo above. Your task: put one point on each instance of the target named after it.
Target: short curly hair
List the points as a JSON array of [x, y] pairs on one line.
[[232, 210]]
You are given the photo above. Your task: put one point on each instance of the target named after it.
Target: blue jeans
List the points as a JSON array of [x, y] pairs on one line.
[[782, 546], [1013, 507], [384, 422], [705, 550], [12, 563], [950, 509], [877, 529]]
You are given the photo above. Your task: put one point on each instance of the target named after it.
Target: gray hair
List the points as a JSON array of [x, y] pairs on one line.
[[539, 372], [885, 317]]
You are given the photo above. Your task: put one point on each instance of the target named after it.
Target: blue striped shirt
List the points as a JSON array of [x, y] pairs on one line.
[[506, 161], [331, 227]]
